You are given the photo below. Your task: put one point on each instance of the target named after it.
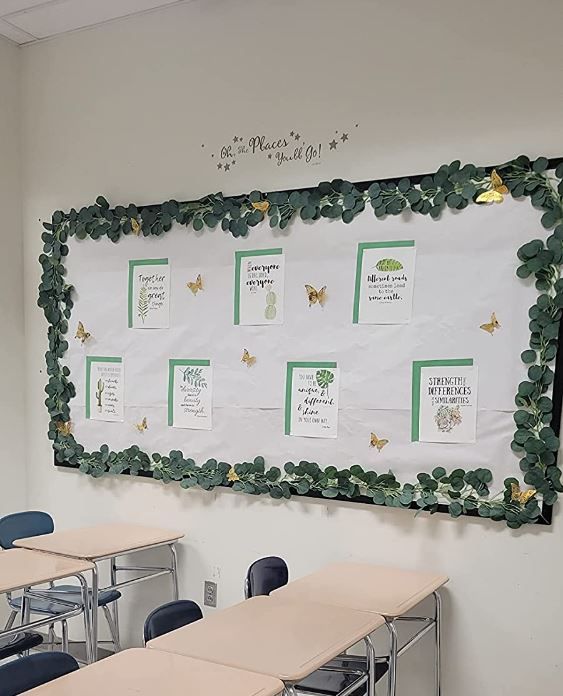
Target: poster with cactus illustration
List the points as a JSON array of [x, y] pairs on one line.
[[259, 287], [149, 294], [384, 282], [190, 394], [444, 401], [104, 388], [311, 399]]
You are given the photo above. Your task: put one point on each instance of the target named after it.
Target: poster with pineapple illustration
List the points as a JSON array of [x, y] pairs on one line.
[[149, 294], [190, 394], [104, 388], [259, 287], [311, 399], [444, 400]]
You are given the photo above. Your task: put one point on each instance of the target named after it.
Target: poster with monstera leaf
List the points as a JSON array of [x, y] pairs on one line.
[[311, 399], [259, 287]]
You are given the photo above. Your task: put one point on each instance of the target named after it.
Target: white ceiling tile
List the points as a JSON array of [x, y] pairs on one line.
[[9, 6], [66, 15], [15, 34]]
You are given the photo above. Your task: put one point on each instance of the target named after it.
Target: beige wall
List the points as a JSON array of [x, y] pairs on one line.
[[124, 109], [12, 368]]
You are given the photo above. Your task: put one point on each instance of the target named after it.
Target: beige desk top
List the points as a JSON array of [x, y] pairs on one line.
[[285, 640], [101, 541], [387, 591], [20, 568], [141, 672]]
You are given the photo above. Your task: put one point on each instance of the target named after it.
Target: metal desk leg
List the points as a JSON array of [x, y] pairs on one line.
[[87, 620], [438, 628], [24, 616], [174, 571], [114, 608], [370, 654], [393, 650], [94, 613]]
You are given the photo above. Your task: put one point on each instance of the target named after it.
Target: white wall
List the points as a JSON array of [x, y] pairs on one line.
[[124, 109], [12, 368]]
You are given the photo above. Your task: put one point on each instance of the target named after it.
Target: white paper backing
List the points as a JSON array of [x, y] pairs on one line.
[[465, 269]]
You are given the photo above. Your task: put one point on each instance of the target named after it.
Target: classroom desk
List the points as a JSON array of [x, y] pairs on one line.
[[108, 542], [140, 672], [288, 641], [390, 592], [21, 569]]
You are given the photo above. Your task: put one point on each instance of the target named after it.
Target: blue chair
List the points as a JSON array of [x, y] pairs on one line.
[[268, 574], [265, 575], [19, 644], [169, 617], [21, 525], [25, 674]]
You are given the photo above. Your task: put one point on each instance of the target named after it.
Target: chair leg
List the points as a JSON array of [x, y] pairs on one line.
[[11, 619], [113, 629], [51, 637], [64, 638]]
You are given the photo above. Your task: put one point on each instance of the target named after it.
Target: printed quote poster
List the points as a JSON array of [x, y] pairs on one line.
[[444, 401], [149, 294], [259, 287], [311, 400], [104, 389], [384, 282], [190, 394]]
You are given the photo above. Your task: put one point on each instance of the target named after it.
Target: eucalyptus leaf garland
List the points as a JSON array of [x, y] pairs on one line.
[[454, 186]]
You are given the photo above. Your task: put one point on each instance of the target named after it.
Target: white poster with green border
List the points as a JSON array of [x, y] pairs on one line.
[[311, 399], [384, 282], [259, 287], [190, 390], [444, 401], [104, 388], [149, 294]]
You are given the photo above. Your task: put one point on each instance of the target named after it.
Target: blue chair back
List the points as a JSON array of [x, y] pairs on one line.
[[20, 525], [28, 672], [266, 575], [171, 616]]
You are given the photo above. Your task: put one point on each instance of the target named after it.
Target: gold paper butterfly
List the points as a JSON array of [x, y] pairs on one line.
[[376, 442], [135, 227], [81, 333], [520, 496], [248, 359], [232, 475], [496, 193], [492, 325], [142, 426], [197, 286], [316, 295], [64, 427], [262, 206]]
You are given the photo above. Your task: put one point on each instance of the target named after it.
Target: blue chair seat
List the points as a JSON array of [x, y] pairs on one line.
[[14, 645], [69, 593]]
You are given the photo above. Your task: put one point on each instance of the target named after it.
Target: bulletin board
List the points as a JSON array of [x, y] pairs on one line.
[[393, 343]]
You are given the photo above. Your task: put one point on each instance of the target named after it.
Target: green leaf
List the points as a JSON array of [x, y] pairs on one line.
[[528, 356]]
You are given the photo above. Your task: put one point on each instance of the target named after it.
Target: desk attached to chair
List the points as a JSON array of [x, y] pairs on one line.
[[390, 592], [285, 640], [108, 542], [21, 569], [140, 672]]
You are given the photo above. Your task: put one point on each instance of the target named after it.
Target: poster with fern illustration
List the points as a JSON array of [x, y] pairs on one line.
[[190, 394], [444, 400], [311, 402], [149, 294], [385, 273]]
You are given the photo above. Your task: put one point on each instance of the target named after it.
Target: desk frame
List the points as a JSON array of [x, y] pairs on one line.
[[149, 573]]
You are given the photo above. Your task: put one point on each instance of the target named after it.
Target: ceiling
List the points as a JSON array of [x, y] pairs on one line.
[[26, 21]]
